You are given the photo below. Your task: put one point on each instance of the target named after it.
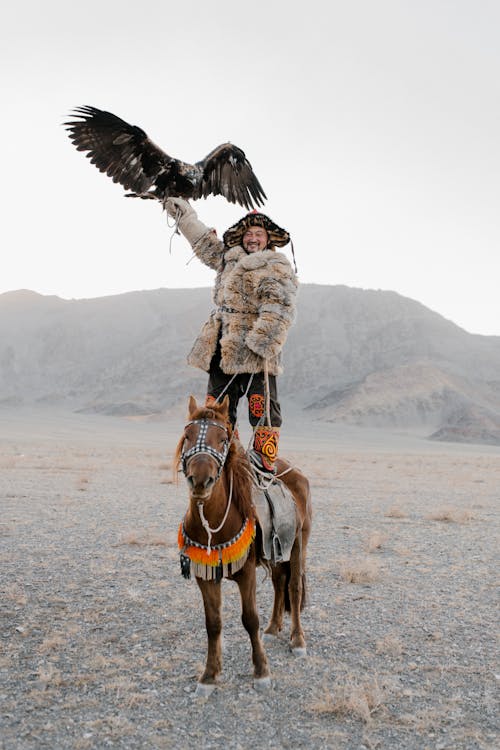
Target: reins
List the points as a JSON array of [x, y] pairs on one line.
[[204, 521], [257, 476], [255, 472], [267, 393]]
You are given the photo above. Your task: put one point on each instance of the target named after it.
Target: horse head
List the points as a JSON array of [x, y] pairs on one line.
[[204, 446]]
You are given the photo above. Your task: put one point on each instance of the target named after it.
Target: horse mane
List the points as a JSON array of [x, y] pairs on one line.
[[236, 462]]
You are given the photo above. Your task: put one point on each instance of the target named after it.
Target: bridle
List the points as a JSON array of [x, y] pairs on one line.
[[201, 446]]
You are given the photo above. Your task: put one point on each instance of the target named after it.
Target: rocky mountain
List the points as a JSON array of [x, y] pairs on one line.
[[360, 356]]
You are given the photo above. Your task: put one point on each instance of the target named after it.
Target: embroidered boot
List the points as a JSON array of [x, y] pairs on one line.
[[265, 448]]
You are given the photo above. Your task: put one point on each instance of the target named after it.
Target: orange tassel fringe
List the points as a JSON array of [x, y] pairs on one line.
[[234, 554]]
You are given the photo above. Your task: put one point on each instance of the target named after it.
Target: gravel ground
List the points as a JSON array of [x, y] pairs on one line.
[[102, 640]]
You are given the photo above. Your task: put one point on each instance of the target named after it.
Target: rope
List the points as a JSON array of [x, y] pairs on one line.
[[250, 379], [204, 521], [217, 400], [267, 394], [257, 482], [174, 226], [244, 396]]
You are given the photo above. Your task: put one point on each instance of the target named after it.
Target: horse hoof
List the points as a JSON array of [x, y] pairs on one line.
[[300, 652], [204, 689], [261, 684]]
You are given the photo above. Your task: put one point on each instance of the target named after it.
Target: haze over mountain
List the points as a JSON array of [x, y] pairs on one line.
[[360, 356]]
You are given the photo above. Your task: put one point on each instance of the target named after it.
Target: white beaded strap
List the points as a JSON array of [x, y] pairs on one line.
[[204, 521]]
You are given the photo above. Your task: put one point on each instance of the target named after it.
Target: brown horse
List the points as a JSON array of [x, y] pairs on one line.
[[220, 537]]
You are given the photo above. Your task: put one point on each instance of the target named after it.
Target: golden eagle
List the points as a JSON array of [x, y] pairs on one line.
[[128, 156]]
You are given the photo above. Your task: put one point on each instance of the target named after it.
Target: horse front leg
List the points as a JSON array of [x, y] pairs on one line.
[[212, 599], [247, 585]]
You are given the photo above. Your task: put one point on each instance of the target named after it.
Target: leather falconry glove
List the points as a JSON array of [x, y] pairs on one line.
[[189, 224]]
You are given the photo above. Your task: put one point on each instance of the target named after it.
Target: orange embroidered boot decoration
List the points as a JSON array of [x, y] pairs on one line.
[[265, 443]]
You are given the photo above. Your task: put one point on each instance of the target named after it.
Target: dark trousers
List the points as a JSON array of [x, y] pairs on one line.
[[218, 382]]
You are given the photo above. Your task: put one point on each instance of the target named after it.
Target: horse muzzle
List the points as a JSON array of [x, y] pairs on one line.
[[200, 488]]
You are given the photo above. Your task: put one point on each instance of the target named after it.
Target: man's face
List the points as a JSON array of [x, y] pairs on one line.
[[254, 239]]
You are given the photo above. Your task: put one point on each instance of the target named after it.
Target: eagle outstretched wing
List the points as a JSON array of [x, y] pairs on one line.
[[126, 154], [227, 172]]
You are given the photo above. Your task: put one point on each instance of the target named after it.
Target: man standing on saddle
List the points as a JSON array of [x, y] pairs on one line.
[[255, 295]]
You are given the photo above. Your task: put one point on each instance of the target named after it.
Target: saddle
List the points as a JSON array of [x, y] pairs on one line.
[[276, 513]]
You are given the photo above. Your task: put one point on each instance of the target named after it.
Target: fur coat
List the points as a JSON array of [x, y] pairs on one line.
[[255, 297]]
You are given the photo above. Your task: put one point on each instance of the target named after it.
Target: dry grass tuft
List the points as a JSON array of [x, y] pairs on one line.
[[53, 643], [122, 686], [360, 571], [395, 511], [135, 699], [15, 593], [424, 720], [113, 727], [137, 539], [451, 515], [374, 541], [350, 698], [389, 645], [49, 675]]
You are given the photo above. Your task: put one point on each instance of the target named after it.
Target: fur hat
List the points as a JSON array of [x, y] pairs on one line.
[[234, 235]]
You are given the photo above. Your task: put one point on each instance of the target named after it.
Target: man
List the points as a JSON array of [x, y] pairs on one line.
[[255, 292]]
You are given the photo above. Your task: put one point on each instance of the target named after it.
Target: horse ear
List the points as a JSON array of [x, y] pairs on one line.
[[224, 407], [192, 406]]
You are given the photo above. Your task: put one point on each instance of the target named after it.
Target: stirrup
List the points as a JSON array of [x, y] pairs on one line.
[[256, 459]]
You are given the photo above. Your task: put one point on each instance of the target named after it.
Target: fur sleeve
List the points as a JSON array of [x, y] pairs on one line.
[[277, 307], [210, 250]]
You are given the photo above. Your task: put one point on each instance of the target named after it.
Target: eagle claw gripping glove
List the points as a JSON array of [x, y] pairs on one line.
[[189, 224]]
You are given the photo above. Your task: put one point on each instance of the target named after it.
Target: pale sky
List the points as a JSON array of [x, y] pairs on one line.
[[373, 127]]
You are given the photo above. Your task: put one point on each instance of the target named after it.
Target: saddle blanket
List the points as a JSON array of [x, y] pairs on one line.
[[277, 518]]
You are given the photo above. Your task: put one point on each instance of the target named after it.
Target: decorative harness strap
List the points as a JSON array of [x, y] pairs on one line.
[[218, 561], [201, 445]]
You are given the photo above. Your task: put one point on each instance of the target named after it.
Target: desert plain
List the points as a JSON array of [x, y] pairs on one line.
[[102, 640]]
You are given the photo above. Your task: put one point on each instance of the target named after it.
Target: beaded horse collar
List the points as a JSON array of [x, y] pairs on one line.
[[201, 445], [218, 561]]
